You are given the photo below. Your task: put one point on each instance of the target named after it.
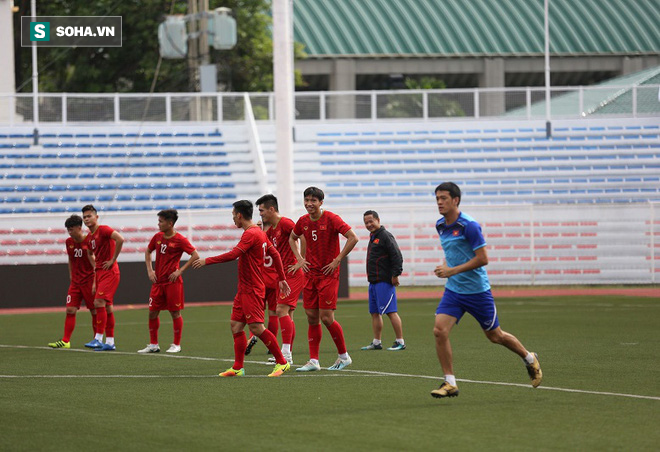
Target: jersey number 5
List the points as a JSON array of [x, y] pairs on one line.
[[268, 261], [314, 236]]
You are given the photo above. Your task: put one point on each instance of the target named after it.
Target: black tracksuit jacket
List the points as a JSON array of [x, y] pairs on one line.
[[384, 259]]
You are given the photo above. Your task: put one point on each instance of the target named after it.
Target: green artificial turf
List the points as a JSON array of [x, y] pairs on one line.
[[78, 399]]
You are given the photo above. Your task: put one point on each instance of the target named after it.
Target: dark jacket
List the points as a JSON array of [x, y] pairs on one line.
[[384, 259]]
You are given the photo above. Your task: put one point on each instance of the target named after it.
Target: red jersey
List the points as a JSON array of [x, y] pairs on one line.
[[251, 252], [102, 246], [322, 238], [168, 254], [279, 237], [81, 269], [270, 274]]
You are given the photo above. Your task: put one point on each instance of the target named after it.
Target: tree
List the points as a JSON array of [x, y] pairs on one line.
[[131, 68]]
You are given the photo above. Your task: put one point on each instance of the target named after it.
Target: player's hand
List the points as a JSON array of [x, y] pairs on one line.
[[108, 264], [175, 275], [199, 263], [395, 281], [331, 267], [300, 264], [285, 290], [443, 271], [152, 276]]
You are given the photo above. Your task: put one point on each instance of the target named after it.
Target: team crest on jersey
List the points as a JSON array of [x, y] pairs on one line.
[[305, 228], [158, 242], [71, 246], [376, 241], [455, 232]]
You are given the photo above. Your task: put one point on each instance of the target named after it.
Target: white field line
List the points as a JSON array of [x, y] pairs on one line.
[[355, 372]]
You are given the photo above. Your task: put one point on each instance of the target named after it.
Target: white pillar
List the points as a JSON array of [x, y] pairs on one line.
[[7, 81], [284, 103]]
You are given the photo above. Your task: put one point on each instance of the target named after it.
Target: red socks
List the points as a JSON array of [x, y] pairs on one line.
[[270, 341], [154, 324], [94, 323], [240, 342], [314, 334], [338, 336], [287, 328], [110, 325], [273, 324], [101, 320], [178, 329], [69, 325]]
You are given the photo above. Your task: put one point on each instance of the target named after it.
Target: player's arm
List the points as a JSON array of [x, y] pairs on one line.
[[396, 259], [92, 259], [175, 274], [119, 243], [70, 271], [351, 241], [219, 259], [303, 246], [301, 262], [150, 271], [479, 260]]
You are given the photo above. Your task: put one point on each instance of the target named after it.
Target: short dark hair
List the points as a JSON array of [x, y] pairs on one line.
[[450, 187], [268, 201], [314, 192], [89, 207], [73, 221], [373, 213], [244, 207], [169, 215]]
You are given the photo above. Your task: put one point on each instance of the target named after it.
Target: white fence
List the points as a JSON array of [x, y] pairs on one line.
[[527, 245], [475, 103]]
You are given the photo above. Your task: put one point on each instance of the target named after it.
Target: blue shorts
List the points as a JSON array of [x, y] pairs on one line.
[[382, 298], [481, 306]]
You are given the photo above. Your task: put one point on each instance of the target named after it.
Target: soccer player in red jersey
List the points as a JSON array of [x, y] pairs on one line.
[[167, 289], [81, 277], [321, 229], [278, 233], [248, 307], [271, 282], [104, 245]]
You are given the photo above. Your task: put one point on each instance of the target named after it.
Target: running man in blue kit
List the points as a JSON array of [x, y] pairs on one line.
[[467, 289]]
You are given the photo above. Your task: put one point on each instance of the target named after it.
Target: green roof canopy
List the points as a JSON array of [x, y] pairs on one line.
[[475, 27]]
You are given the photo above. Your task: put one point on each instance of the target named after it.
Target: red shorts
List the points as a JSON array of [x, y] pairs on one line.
[[320, 293], [296, 283], [107, 282], [271, 298], [79, 292], [166, 297], [248, 308]]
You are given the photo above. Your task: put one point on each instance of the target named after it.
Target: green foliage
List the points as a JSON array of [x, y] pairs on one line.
[[131, 68]]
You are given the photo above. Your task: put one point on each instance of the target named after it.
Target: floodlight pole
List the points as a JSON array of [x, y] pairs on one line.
[[284, 92], [35, 72], [548, 125]]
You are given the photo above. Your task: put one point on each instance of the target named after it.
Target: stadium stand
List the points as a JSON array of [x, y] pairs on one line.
[[603, 161]]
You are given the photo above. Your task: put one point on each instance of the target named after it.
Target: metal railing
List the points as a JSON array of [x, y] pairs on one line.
[[474, 103]]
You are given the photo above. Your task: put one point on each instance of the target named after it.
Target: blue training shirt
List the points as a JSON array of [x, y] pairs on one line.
[[460, 240]]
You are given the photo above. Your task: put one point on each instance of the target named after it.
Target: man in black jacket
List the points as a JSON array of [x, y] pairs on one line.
[[384, 265]]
